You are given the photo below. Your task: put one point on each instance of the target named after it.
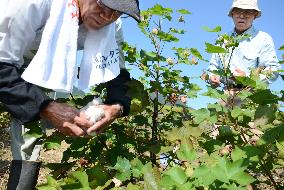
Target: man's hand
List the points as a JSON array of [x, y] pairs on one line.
[[66, 119], [239, 73], [215, 80], [111, 113]]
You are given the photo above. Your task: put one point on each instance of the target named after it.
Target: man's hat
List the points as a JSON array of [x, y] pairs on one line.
[[129, 7], [245, 4]]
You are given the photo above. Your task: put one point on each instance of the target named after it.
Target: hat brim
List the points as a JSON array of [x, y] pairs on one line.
[[129, 7]]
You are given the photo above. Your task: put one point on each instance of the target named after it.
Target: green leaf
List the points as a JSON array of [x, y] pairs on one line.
[[281, 48], [215, 93], [236, 112], [244, 94], [177, 175], [124, 167], [232, 187], [264, 97], [217, 107], [246, 81], [52, 184], [131, 186], [187, 186], [52, 142], [173, 30], [151, 177], [193, 92], [280, 147], [226, 170], [34, 130], [82, 177], [178, 133], [46, 187], [136, 167], [243, 178], [266, 113], [184, 11], [200, 115], [161, 11], [238, 154], [186, 151], [204, 175], [216, 29], [148, 55], [97, 175], [196, 53], [214, 49], [51, 181], [52, 145], [167, 37]]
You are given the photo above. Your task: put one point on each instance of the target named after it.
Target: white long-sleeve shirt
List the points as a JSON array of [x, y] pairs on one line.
[[256, 51]]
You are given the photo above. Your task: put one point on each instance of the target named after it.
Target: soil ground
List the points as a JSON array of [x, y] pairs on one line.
[[51, 156]]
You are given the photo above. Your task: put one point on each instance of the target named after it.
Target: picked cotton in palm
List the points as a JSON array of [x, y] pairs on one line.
[[93, 112]]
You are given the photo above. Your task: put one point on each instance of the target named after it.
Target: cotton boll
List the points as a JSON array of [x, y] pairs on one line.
[[94, 113], [97, 101]]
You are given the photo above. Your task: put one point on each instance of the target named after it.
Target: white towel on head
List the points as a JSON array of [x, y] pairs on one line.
[[54, 65]]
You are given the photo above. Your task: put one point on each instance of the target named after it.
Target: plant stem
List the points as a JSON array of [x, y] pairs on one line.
[[267, 172]]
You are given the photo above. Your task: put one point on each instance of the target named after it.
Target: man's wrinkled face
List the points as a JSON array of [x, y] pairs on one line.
[[95, 15], [243, 18]]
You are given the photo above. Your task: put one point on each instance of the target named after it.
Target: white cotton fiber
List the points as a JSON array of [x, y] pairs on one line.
[[93, 112]]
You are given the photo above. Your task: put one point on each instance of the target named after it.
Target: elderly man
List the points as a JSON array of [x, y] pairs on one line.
[[254, 52], [22, 24]]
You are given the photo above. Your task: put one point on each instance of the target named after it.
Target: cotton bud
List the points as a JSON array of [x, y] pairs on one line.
[[155, 31], [183, 98], [193, 61], [226, 150], [204, 76], [117, 182], [170, 61], [249, 187], [181, 19], [185, 53]]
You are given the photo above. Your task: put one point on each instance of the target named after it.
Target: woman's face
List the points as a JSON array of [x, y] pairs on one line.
[[95, 15], [243, 19]]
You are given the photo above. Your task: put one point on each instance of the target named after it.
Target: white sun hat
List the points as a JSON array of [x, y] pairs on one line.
[[245, 4]]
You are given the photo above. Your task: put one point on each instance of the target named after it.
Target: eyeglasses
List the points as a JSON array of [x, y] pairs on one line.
[[114, 12], [246, 13]]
